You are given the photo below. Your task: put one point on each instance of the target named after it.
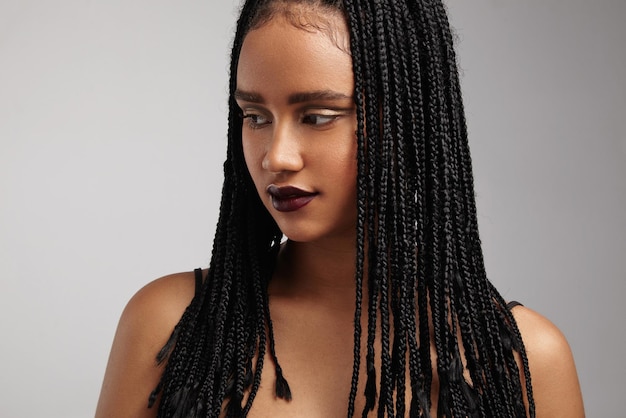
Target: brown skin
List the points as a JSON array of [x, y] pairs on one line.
[[312, 292], [313, 322], [555, 382], [144, 328], [308, 142]]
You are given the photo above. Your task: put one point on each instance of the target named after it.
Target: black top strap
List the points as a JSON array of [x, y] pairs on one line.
[[198, 275], [512, 304]]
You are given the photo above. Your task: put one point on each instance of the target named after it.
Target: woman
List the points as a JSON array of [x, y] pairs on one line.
[[347, 137]]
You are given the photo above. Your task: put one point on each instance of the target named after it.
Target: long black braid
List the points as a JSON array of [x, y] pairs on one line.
[[416, 227]]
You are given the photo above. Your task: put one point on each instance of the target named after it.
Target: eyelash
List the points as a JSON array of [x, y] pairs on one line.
[[306, 119], [330, 119], [250, 120]]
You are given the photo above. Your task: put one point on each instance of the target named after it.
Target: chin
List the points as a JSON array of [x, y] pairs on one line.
[[299, 236], [318, 237]]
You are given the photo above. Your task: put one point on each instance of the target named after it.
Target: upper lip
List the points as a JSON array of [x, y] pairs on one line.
[[286, 192]]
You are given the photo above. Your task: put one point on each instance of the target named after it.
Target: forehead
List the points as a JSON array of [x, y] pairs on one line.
[[309, 55]]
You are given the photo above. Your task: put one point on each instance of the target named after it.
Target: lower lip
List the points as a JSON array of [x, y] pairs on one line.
[[291, 204]]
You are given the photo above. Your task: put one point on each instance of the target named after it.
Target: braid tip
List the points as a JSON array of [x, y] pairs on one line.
[[153, 396], [370, 389], [282, 387]]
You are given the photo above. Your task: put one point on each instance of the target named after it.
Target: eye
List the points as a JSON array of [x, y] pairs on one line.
[[256, 121], [319, 119]]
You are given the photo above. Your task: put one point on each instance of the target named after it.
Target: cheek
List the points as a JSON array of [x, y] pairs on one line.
[[339, 169], [346, 161], [247, 154], [343, 168], [253, 156], [250, 154]]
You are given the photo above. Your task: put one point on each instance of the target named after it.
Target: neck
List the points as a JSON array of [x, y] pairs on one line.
[[316, 271]]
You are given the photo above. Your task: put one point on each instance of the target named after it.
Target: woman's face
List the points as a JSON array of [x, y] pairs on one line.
[[295, 90]]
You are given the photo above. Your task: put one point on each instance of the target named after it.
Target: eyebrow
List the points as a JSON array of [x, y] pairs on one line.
[[294, 98]]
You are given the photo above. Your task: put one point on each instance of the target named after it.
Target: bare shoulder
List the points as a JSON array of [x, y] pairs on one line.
[[144, 327], [163, 300], [553, 372]]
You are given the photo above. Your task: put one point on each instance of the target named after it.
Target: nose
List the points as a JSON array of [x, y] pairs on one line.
[[283, 151]]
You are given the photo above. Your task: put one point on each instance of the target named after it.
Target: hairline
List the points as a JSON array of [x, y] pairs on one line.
[[310, 16]]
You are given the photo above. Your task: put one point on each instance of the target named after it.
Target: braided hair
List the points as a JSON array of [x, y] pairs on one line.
[[417, 244]]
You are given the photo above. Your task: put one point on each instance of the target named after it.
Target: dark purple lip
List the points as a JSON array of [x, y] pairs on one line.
[[289, 198]]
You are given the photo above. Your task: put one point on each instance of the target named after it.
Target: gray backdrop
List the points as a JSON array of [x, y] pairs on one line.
[[112, 136]]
